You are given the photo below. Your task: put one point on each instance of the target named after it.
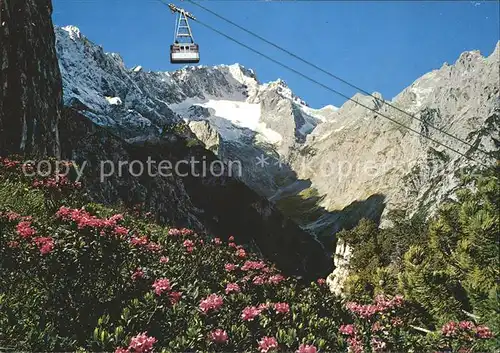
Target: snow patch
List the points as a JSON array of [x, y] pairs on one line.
[[230, 118], [329, 107], [283, 90], [421, 95], [137, 68], [114, 100], [73, 31]]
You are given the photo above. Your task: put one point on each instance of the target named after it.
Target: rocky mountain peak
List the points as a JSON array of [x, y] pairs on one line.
[[280, 87]]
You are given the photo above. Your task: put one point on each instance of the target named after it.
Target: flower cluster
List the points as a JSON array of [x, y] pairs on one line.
[[219, 336], [382, 304], [465, 329], [188, 245], [282, 308], [212, 302], [84, 220], [232, 288], [141, 343], [143, 242], [349, 330], [45, 244], [13, 216], [253, 265], [9, 163], [138, 273], [250, 313], [180, 232], [25, 230], [268, 344], [58, 182], [305, 348], [382, 308], [161, 285]]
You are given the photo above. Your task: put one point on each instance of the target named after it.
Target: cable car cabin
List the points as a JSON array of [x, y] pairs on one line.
[[184, 53]]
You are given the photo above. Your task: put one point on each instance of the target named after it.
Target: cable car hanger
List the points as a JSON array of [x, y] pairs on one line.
[[184, 50]]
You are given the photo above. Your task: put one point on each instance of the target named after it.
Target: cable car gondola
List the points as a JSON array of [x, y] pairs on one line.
[[184, 50]]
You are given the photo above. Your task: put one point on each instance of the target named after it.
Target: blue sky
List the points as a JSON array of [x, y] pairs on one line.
[[380, 46]]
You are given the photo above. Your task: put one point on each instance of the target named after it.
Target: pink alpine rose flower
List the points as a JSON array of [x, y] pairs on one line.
[[212, 302], [45, 244], [250, 313], [174, 232], [449, 329], [232, 288], [13, 244], [141, 343], [154, 247], [305, 348], [397, 321], [267, 344], [484, 332], [219, 336], [282, 308], [25, 230], [175, 297], [348, 330], [259, 280], [264, 306], [121, 231], [276, 279], [241, 253], [138, 273], [466, 325], [139, 241], [161, 285]]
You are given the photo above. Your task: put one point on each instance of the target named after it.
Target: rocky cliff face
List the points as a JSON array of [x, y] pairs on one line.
[[357, 153], [220, 205], [30, 82]]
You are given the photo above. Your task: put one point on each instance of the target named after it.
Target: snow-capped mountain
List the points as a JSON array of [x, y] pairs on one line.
[[226, 106], [307, 150], [137, 102]]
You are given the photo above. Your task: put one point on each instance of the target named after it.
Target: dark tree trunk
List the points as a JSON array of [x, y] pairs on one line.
[[30, 81]]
